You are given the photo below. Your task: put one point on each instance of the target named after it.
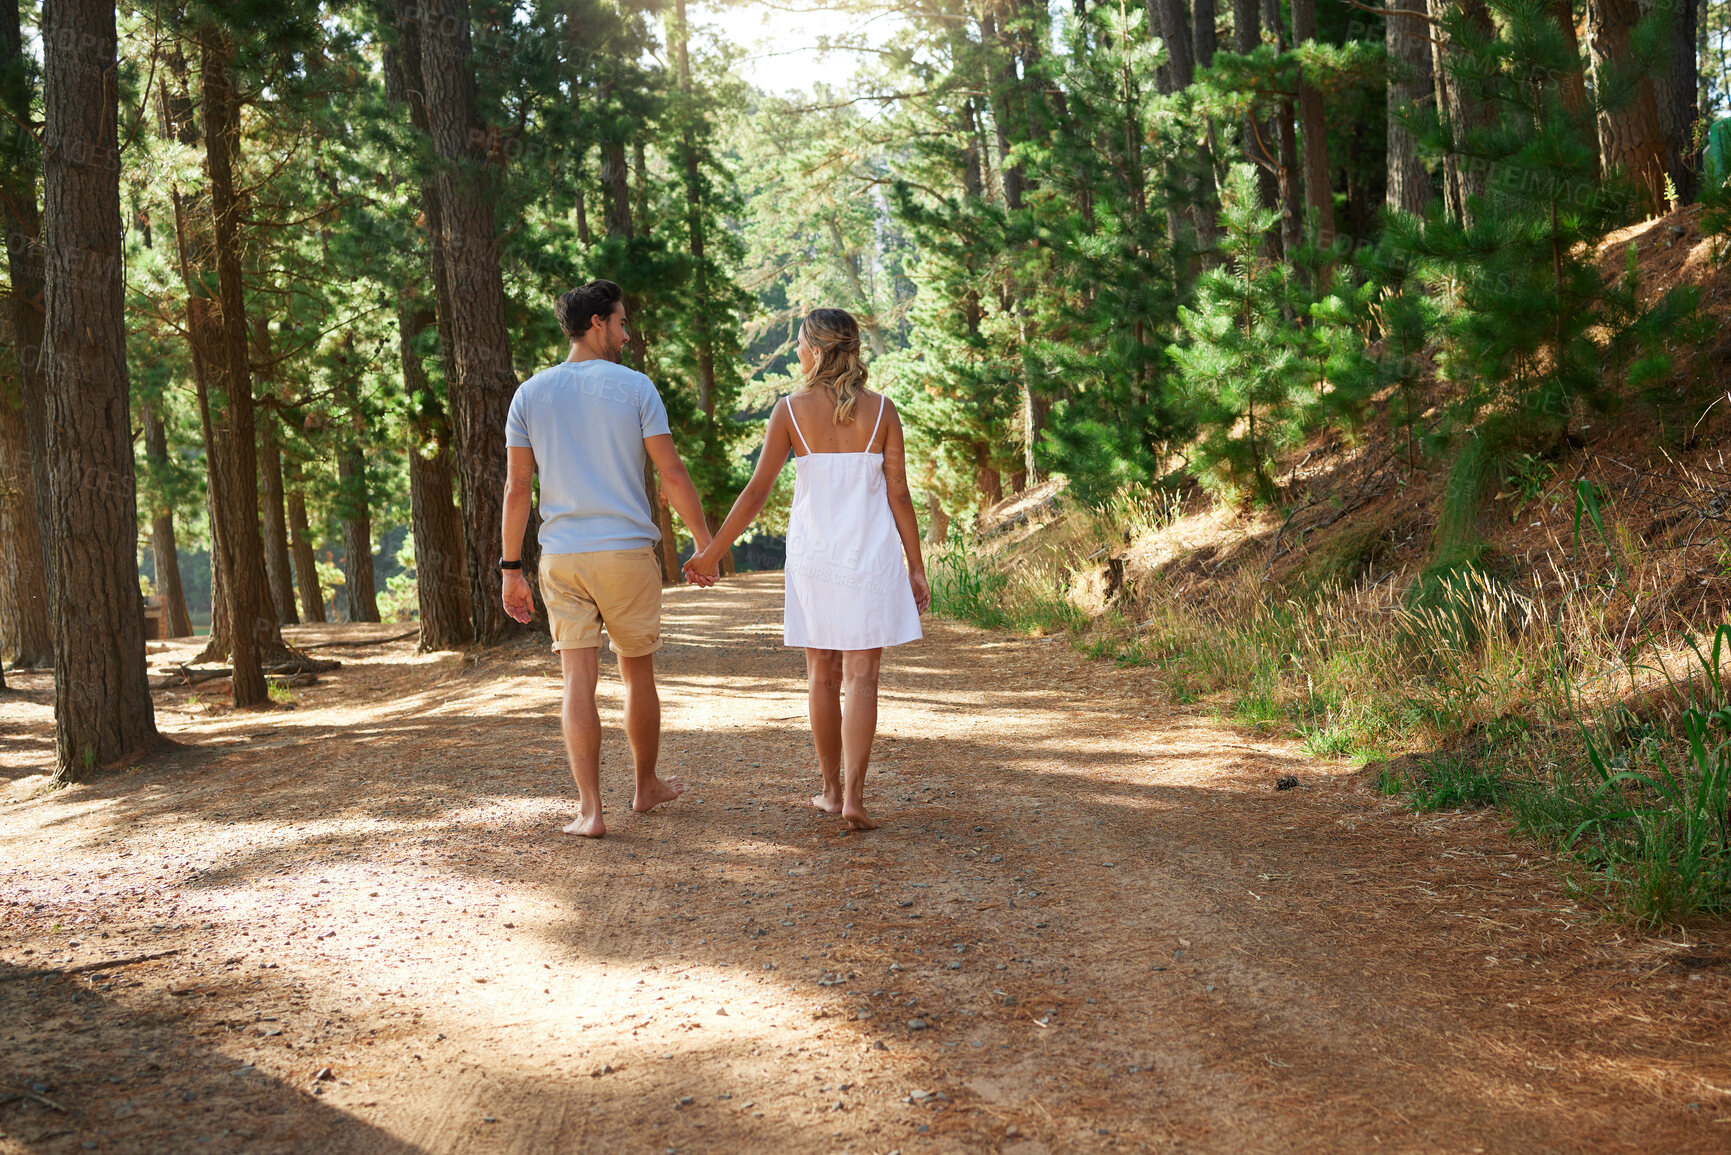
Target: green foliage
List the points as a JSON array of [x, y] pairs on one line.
[[963, 588], [1453, 782], [1242, 370], [1656, 832]]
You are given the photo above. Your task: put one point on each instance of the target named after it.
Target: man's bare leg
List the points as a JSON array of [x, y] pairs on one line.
[[823, 704], [581, 725], [643, 730], [859, 727]]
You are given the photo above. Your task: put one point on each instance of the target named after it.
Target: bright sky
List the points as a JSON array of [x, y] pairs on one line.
[[782, 41]]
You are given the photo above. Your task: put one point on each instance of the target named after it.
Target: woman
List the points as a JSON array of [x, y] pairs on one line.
[[848, 595]]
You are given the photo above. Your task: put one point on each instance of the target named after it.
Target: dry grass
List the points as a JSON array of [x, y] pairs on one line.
[[1485, 683]]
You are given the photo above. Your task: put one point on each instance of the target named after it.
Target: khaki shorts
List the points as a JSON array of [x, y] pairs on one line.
[[616, 588]]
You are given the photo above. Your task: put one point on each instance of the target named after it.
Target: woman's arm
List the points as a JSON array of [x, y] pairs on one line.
[[777, 444], [902, 508]]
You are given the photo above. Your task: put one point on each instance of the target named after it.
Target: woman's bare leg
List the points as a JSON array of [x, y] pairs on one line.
[[823, 670], [859, 727]]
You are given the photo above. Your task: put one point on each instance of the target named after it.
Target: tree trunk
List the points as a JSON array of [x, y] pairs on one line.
[[1168, 20], [407, 74], [640, 165], [1259, 135], [1000, 79], [1318, 194], [102, 707], [25, 633], [987, 479], [301, 544], [234, 475], [1287, 180], [1675, 92], [1407, 37], [24, 264], [203, 331], [354, 511], [482, 381], [671, 573], [177, 623], [1034, 409], [580, 201], [441, 583], [1464, 177], [441, 571], [616, 180], [847, 264], [1207, 39], [1286, 134], [219, 641], [1442, 82], [276, 547], [1630, 133], [278, 574], [1207, 33], [1574, 82], [937, 522]]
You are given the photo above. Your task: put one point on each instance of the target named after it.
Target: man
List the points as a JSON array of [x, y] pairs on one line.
[[587, 425]]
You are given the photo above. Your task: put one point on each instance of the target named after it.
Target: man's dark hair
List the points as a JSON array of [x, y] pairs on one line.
[[578, 309]]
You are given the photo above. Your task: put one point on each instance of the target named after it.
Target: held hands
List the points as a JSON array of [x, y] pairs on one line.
[[922, 591], [702, 569], [514, 591]]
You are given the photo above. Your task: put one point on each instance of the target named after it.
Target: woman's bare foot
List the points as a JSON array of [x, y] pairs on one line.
[[661, 790], [854, 814], [590, 827], [829, 801]]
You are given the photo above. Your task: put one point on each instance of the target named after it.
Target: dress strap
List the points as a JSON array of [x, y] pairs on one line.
[[795, 421], [883, 403]]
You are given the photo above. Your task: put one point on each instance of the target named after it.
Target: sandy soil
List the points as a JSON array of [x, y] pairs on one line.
[[1089, 923]]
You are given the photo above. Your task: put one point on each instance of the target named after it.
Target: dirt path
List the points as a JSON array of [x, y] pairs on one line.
[[1089, 923]]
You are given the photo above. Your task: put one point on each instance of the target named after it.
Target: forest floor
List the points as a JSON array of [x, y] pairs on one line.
[[1089, 922]]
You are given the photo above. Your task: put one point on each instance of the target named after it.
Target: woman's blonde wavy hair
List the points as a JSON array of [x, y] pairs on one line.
[[833, 337]]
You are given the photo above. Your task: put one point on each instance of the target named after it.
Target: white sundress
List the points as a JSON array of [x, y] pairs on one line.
[[847, 586]]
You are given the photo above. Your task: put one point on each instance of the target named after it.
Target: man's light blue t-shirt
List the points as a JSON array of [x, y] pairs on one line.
[[586, 421]]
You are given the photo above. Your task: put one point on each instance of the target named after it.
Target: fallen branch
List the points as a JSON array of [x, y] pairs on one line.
[[43, 1099], [363, 641], [39, 972], [294, 673]]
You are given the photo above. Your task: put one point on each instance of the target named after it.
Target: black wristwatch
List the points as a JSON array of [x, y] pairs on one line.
[[503, 564]]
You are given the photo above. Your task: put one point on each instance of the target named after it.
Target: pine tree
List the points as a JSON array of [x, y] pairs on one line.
[[1241, 369]]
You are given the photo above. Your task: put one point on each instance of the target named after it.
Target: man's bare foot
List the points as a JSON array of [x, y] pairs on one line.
[[827, 802], [591, 827], [663, 790], [856, 817]]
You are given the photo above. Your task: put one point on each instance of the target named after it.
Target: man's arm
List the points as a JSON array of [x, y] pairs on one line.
[[676, 482], [514, 587]]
